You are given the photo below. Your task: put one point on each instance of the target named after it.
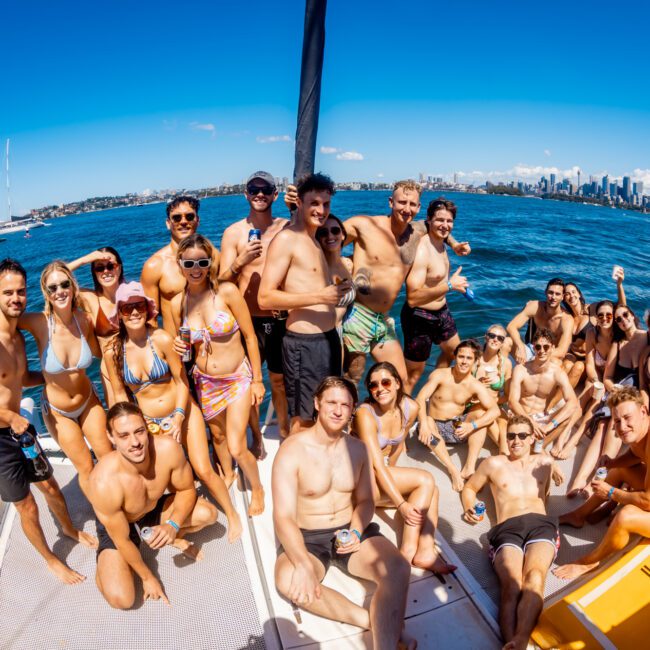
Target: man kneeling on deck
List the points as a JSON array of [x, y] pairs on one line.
[[127, 489], [632, 426], [321, 485], [525, 540]]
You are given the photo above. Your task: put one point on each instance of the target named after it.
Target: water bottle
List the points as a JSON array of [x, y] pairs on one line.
[[37, 465], [469, 294]]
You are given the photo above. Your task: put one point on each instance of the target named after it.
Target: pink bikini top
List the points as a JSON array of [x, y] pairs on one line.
[[224, 324]]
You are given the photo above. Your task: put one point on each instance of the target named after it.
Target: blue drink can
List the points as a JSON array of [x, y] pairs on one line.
[[469, 294], [254, 234], [479, 510], [343, 537]]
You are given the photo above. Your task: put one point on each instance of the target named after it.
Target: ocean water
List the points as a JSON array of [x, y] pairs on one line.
[[517, 245]]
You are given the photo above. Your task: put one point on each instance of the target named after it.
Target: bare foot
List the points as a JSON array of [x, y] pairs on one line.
[[234, 527], [571, 519], [572, 571], [466, 472], [433, 562], [577, 487], [258, 449], [189, 550], [457, 481], [407, 642], [83, 538], [64, 573], [556, 450], [257, 503]]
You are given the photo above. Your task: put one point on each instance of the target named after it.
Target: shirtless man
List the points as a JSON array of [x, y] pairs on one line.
[[533, 386], [128, 490], [445, 420], [242, 262], [525, 540], [546, 314], [14, 480], [321, 484], [296, 278], [161, 277], [632, 426], [425, 316]]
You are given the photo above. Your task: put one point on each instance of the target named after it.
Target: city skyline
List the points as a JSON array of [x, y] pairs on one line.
[[472, 91]]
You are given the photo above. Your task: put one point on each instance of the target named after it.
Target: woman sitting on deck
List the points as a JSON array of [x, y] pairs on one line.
[[383, 423], [67, 344], [142, 362], [226, 386]]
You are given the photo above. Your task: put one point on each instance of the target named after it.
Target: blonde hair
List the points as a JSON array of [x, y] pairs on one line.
[[625, 394], [408, 185], [199, 241], [61, 266]]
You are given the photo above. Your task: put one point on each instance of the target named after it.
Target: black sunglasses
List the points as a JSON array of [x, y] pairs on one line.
[[521, 436], [253, 190], [498, 337], [177, 218], [53, 288], [127, 308], [323, 231], [539, 347], [203, 263], [385, 383], [100, 268], [624, 316]]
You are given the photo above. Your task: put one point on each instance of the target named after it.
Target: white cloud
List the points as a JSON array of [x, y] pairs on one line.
[[329, 150], [266, 139], [207, 126], [349, 155], [380, 175], [642, 175], [547, 152]]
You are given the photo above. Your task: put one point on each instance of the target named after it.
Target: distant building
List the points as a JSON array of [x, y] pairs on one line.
[[605, 185], [627, 188]]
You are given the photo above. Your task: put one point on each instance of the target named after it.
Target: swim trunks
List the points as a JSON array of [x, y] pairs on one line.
[[448, 432], [364, 328], [523, 530], [321, 544], [151, 518], [424, 327], [270, 332], [306, 360], [14, 480]]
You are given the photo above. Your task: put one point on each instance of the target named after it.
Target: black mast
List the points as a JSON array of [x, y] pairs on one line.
[[313, 46]]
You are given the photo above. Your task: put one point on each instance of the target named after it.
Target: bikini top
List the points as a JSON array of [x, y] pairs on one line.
[[50, 362], [224, 324], [582, 333], [599, 359], [103, 327], [498, 385], [157, 374], [393, 442]]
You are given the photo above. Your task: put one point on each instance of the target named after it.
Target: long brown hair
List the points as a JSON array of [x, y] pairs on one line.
[[59, 265], [119, 351], [199, 241]]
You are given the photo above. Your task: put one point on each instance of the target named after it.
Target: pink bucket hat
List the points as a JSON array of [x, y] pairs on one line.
[[131, 292]]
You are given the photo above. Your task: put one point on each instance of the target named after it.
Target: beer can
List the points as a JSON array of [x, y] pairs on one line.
[[479, 509], [601, 473], [538, 447], [153, 427], [343, 537], [185, 335], [254, 234], [166, 425], [146, 533]]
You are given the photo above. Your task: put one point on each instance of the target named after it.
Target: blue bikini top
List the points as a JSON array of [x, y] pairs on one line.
[[157, 374], [50, 362]]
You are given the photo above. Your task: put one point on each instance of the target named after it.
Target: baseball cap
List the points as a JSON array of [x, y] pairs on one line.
[[263, 176]]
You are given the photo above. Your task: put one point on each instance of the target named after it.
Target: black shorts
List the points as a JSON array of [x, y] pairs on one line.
[[321, 544], [523, 530], [306, 360], [151, 518], [270, 332], [14, 480], [423, 327]]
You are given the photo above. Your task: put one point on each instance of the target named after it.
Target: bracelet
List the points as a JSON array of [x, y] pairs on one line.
[[554, 422], [173, 524], [356, 532], [180, 410], [400, 505], [257, 381], [474, 425], [449, 285], [610, 493]]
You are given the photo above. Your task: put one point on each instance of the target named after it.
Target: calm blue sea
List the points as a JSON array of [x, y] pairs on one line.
[[517, 245]]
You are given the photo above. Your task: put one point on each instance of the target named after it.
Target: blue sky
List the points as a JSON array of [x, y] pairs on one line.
[[115, 97]]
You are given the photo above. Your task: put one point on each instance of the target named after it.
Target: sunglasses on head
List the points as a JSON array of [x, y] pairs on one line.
[[177, 218], [498, 337], [53, 288], [323, 231], [203, 263], [253, 190], [521, 436], [542, 346], [624, 316], [128, 308], [605, 316], [384, 383], [100, 268]]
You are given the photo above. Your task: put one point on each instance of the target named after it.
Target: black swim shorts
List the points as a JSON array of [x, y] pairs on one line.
[[14, 480], [523, 530], [306, 360], [151, 518], [321, 544], [423, 327], [270, 332]]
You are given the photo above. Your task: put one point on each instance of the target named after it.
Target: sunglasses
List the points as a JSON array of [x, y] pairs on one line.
[[253, 190], [177, 218], [100, 268], [203, 263], [323, 231], [521, 436], [384, 383], [624, 316], [53, 288], [606, 316], [539, 347], [128, 308], [498, 337]]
